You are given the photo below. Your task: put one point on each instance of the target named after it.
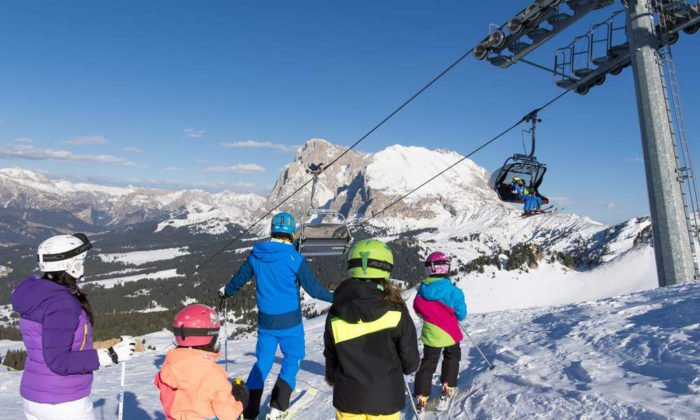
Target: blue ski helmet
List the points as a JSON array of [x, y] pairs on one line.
[[283, 223]]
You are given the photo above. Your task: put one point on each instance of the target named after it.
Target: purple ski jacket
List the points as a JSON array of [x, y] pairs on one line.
[[58, 337]]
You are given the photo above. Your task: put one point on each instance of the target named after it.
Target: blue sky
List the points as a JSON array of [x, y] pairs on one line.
[[147, 93]]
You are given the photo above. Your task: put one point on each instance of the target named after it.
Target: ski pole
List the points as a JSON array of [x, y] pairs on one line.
[[226, 335], [491, 366], [121, 392], [410, 398], [223, 304]]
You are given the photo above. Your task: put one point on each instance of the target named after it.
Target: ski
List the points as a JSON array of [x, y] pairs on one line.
[[443, 403], [547, 210], [438, 407], [301, 402]]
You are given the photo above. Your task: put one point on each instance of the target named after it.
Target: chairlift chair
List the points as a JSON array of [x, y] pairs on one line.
[[316, 238], [524, 166], [324, 239]]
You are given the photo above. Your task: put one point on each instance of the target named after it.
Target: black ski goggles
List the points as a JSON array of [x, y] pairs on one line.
[[86, 245], [379, 265], [183, 332]]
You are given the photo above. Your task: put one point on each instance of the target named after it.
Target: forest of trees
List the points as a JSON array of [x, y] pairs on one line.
[[14, 359], [117, 308]]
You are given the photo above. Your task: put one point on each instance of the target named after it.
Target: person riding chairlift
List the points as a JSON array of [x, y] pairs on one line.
[[518, 188], [533, 202]]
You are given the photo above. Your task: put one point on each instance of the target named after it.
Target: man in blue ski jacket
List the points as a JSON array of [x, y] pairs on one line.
[[279, 270]]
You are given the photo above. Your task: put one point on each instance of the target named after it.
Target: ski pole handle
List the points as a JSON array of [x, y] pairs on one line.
[[464, 329]]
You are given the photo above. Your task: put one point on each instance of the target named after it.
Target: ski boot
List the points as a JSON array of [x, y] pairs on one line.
[[276, 414], [421, 404], [445, 396]]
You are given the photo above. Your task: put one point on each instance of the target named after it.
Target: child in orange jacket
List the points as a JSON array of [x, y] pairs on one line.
[[192, 385]]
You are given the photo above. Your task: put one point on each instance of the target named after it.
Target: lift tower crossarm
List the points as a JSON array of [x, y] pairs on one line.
[[539, 36]]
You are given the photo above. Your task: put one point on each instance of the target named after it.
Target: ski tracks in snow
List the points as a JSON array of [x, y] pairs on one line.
[[635, 356]]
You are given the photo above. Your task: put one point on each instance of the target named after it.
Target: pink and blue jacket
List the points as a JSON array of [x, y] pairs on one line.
[[441, 305], [58, 337]]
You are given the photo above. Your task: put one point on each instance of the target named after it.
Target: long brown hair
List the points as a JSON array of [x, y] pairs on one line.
[[391, 293], [65, 279]]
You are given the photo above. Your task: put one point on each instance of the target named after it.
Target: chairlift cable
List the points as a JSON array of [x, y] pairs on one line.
[[345, 152], [501, 134]]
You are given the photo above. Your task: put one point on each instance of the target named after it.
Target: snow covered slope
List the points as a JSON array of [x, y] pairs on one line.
[[633, 356]]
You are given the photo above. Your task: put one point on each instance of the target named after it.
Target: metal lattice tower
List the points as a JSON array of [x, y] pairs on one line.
[[672, 243], [674, 109]]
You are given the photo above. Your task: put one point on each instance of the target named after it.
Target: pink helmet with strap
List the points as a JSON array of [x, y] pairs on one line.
[[196, 325], [437, 264]]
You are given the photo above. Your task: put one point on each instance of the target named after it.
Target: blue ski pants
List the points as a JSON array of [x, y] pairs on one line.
[[290, 342], [532, 202]]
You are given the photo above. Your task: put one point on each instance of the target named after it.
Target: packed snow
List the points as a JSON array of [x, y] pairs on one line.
[[554, 284], [145, 257], [632, 356]]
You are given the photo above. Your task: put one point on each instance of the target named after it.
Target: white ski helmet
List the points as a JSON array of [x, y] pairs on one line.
[[64, 253]]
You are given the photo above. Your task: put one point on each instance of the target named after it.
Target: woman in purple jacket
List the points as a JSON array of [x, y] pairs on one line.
[[56, 324]]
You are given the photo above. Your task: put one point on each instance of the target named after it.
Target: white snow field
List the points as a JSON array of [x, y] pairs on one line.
[[144, 257], [157, 275], [554, 284], [633, 356]]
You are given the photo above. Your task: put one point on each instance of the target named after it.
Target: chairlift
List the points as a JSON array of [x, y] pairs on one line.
[[523, 166], [321, 239]]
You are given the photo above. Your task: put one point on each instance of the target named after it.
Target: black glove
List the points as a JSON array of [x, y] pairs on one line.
[[240, 391]]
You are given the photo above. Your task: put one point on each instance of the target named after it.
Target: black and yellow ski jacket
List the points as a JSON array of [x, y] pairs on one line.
[[370, 343]]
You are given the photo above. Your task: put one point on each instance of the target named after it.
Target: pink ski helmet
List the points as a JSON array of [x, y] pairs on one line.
[[196, 325], [437, 264]]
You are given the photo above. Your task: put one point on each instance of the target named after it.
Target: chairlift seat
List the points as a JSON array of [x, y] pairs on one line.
[[324, 239], [521, 166]]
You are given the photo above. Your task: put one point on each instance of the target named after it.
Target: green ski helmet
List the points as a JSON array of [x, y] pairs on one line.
[[370, 259]]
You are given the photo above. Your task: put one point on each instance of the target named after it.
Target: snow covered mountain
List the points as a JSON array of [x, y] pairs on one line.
[[95, 207], [632, 356], [457, 213]]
